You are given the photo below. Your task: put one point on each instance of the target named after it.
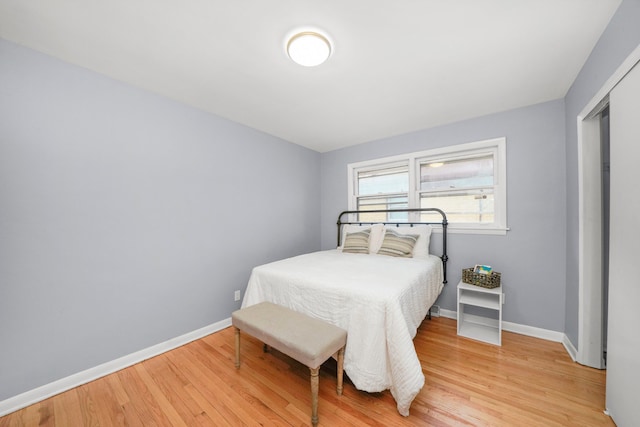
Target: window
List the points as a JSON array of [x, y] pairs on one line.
[[385, 187], [466, 181]]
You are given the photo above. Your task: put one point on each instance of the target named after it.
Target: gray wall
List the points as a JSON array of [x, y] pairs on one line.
[[127, 219], [620, 38], [531, 256]]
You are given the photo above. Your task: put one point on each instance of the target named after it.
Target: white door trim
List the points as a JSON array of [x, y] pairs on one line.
[[589, 220], [590, 243]]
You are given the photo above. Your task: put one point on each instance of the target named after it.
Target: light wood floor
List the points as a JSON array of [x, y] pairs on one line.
[[526, 382]]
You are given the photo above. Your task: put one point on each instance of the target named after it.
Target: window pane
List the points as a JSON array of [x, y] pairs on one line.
[[378, 203], [384, 181], [460, 207], [464, 173]]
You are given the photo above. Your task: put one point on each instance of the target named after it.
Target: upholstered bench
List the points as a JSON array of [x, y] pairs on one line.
[[309, 341]]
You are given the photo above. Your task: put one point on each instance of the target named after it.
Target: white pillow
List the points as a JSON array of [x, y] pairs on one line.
[[375, 238], [421, 249]]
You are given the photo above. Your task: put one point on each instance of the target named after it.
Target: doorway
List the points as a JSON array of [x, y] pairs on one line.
[[593, 137], [590, 222]]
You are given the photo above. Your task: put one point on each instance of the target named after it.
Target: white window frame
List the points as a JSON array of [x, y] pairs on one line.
[[496, 147]]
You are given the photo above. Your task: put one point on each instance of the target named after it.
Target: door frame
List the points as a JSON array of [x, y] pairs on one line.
[[590, 328]]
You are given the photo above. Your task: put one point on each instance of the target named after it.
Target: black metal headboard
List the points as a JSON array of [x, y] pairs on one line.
[[444, 224]]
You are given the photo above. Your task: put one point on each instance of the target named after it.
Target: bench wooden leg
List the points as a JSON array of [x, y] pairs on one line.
[[237, 347], [340, 370], [314, 395]]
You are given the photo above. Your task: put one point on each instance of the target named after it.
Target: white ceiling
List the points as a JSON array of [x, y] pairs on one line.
[[397, 66]]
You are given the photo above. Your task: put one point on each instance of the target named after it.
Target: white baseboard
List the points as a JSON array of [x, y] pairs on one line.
[[517, 328], [44, 392]]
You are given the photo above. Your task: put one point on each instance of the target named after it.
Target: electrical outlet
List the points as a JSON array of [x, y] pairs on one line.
[[236, 296]]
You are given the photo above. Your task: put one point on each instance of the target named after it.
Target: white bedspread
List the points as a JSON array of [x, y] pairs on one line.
[[379, 300]]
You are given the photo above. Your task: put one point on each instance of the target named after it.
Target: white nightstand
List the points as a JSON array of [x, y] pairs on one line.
[[475, 327]]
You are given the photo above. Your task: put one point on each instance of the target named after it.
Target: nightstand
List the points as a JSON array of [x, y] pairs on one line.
[[477, 327]]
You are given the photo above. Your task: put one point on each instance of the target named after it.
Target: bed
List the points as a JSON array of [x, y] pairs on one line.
[[379, 299]]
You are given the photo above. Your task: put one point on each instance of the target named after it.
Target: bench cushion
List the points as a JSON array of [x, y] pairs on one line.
[[309, 341]]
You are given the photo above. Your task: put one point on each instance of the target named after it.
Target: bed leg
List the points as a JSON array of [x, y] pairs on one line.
[[429, 314]]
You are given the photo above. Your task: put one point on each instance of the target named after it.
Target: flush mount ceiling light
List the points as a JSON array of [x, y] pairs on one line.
[[308, 48]]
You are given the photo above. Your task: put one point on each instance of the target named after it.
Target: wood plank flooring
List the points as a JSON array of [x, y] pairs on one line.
[[526, 382]]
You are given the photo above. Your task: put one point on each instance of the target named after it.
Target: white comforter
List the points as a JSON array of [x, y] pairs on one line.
[[379, 300]]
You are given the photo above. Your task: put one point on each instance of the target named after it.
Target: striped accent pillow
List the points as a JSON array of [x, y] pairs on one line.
[[399, 245], [357, 242]]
